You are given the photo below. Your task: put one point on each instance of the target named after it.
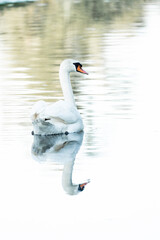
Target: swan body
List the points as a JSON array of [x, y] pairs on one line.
[[62, 116]]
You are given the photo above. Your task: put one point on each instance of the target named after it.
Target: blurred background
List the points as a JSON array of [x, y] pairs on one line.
[[117, 41]]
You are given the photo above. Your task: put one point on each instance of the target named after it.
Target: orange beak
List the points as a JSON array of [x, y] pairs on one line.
[[81, 186], [79, 69]]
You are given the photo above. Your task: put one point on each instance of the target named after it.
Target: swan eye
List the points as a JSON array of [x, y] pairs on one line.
[[80, 188], [77, 64]]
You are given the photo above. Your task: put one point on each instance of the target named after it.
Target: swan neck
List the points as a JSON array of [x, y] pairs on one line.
[[66, 86], [67, 183]]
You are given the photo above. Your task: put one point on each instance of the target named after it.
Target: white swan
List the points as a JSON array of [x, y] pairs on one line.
[[62, 116]]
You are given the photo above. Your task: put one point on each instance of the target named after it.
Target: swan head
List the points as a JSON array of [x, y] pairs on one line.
[[82, 186], [70, 65], [72, 189]]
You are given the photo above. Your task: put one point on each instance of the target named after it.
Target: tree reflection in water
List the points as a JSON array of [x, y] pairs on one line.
[[37, 37]]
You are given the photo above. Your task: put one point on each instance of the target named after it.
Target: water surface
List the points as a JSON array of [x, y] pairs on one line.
[[118, 44]]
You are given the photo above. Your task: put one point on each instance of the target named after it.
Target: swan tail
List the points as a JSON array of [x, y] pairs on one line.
[[37, 109]]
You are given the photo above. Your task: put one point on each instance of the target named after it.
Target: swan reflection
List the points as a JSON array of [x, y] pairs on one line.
[[61, 149]]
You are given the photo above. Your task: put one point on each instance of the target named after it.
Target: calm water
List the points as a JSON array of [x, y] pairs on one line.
[[118, 44]]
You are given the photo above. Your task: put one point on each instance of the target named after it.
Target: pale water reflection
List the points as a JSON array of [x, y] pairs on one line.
[[118, 43], [62, 150]]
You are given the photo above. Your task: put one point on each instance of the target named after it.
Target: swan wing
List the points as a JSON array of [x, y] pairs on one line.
[[62, 112]]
